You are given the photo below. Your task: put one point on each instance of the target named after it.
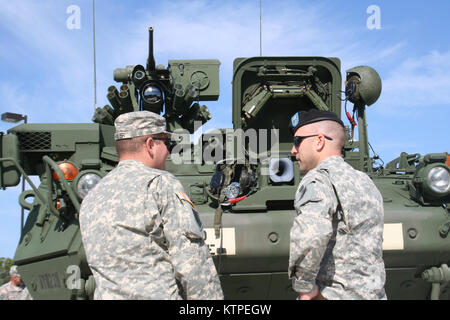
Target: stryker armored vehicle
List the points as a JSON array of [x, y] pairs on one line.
[[242, 180]]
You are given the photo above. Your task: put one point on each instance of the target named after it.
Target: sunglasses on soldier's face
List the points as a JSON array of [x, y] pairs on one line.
[[170, 144], [298, 139]]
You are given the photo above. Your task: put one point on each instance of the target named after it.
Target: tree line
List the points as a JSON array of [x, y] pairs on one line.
[[5, 265]]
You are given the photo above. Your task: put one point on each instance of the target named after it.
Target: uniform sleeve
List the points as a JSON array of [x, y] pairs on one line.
[[311, 231], [190, 256], [4, 292]]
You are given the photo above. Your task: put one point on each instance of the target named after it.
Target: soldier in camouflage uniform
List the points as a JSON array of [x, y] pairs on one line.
[[336, 238], [142, 236], [15, 289]]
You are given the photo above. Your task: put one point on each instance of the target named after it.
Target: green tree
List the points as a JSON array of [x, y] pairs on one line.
[[5, 264]]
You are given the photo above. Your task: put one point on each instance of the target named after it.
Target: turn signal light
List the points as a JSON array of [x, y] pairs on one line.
[[68, 169], [448, 160]]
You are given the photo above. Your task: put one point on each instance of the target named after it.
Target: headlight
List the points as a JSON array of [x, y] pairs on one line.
[[86, 183], [439, 179], [432, 183]]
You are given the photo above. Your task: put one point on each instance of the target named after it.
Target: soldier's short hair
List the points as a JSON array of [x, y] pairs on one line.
[[134, 145]]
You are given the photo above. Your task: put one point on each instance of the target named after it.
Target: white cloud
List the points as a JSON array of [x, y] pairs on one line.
[[57, 73], [420, 81], [392, 50], [228, 30]]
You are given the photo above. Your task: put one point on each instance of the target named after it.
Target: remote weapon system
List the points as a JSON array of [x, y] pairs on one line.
[[242, 180]]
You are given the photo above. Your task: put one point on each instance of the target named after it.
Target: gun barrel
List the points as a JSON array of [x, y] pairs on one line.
[[125, 100], [151, 58], [103, 116], [113, 97]]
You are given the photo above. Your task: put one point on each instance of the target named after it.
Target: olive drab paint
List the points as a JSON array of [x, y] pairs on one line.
[[246, 209]]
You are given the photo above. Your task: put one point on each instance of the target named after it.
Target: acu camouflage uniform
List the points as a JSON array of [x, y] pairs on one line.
[[142, 237], [9, 291], [143, 240], [336, 239]]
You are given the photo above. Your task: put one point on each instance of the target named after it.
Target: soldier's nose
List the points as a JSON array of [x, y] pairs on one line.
[[294, 150]]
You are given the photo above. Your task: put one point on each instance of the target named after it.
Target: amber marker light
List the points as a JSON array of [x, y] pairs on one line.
[[448, 160], [68, 169]]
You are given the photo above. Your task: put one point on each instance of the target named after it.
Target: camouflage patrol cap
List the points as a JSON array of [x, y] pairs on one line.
[[13, 271], [302, 118], [138, 124]]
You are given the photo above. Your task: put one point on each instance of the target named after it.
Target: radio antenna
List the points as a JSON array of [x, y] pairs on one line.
[[95, 64], [260, 27]]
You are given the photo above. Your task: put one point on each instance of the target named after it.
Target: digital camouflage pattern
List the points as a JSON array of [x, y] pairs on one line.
[[9, 291], [336, 242], [138, 124], [144, 240]]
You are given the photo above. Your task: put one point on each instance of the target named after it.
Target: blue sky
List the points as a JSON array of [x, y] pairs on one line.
[[46, 69]]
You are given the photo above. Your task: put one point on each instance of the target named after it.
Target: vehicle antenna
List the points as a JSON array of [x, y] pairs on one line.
[[95, 66], [260, 27]]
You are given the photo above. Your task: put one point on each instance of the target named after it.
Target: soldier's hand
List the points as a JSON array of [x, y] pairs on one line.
[[309, 295]]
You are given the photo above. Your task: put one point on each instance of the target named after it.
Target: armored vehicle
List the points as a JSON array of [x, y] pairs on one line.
[[242, 180]]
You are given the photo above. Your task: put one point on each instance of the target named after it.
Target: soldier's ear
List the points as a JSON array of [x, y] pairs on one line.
[[149, 144], [319, 143]]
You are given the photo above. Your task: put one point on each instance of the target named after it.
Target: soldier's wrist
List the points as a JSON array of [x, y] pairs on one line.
[[303, 286]]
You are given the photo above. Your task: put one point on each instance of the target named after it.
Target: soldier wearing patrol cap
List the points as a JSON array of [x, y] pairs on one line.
[[15, 289], [142, 236], [336, 237]]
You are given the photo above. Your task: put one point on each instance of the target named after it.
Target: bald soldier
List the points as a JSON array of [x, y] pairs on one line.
[[336, 238], [142, 236]]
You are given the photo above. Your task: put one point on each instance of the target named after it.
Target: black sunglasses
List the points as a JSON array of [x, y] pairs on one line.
[[299, 139], [170, 144]]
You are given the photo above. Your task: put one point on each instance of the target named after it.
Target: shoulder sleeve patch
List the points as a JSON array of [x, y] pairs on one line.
[[193, 224], [184, 197]]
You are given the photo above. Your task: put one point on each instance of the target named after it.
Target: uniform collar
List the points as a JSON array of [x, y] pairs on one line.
[[137, 163], [131, 163], [330, 161]]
